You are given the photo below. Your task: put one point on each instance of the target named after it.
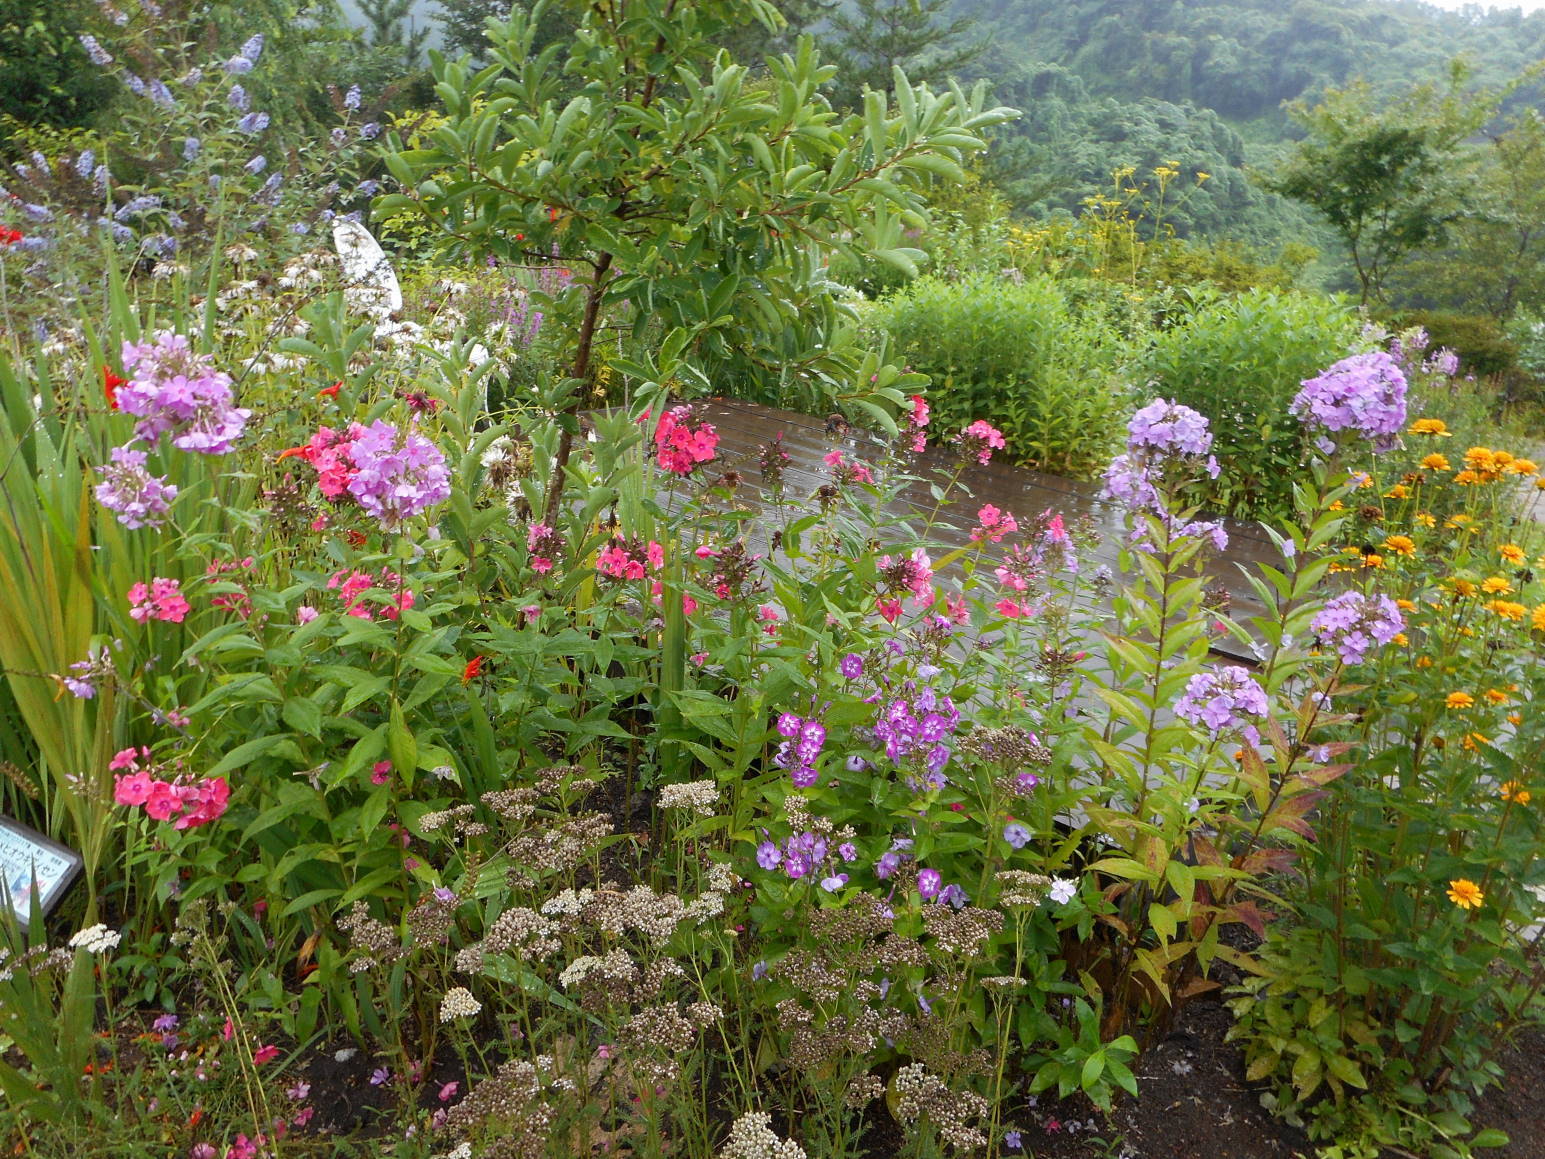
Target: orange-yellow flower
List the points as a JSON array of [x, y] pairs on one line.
[[1424, 519], [1398, 491], [1472, 739], [1400, 545], [1538, 619], [1400, 639], [1459, 700], [1507, 610], [1523, 467], [1496, 696], [1435, 462], [1511, 552], [1515, 718], [1463, 587], [1431, 427], [1372, 559], [1515, 792], [1424, 661], [1465, 894], [1468, 478], [1406, 605], [1496, 585]]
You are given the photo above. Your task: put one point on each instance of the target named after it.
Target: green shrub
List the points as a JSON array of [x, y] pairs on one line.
[[1482, 345], [1017, 355], [1239, 361]]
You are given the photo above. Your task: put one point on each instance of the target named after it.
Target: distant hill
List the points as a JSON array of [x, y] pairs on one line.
[[1112, 83]]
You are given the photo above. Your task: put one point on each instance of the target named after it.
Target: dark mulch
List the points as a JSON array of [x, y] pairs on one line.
[[1193, 1103]]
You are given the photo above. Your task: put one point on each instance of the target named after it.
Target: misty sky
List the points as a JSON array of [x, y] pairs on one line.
[[1526, 5]]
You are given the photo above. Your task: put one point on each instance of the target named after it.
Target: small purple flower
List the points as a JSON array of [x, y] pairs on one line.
[[253, 48], [139, 498], [768, 855], [789, 724], [851, 666], [445, 895], [1013, 1140], [1353, 623], [887, 866], [165, 1023], [847, 851], [238, 99], [369, 132], [835, 882], [1016, 835], [237, 66], [256, 165], [380, 1076], [856, 764], [929, 882], [351, 98], [98, 55], [758, 971], [252, 123]]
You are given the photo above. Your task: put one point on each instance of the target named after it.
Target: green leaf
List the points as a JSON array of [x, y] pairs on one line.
[[303, 716]]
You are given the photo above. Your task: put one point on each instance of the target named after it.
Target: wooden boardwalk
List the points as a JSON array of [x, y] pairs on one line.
[[744, 428]]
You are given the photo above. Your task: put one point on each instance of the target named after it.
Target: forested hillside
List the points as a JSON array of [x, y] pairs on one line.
[[1108, 84]]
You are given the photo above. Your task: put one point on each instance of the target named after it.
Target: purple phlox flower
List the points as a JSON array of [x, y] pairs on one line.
[[85, 164], [758, 971], [398, 474], [165, 1023], [174, 391], [444, 894], [953, 896], [380, 1076], [162, 95], [768, 855], [847, 851], [929, 882], [139, 498], [1013, 1140], [1169, 428], [789, 724], [835, 882], [856, 763], [887, 866], [256, 165], [1219, 701], [1353, 623], [237, 66], [1016, 835], [1364, 394], [851, 666], [369, 132]]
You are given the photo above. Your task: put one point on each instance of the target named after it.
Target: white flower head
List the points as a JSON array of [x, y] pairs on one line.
[[97, 939], [458, 1003], [1063, 890]]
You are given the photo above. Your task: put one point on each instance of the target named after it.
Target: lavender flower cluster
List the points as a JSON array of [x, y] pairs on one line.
[[1365, 393], [1220, 701], [805, 853], [1353, 623], [397, 474], [173, 391], [800, 748], [916, 730], [139, 498], [1164, 440]]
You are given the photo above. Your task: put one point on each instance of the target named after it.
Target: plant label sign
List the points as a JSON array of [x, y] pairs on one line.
[[37, 871]]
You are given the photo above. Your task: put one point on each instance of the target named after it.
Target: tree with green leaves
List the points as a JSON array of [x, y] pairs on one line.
[[873, 38], [686, 201], [390, 27], [1390, 178]]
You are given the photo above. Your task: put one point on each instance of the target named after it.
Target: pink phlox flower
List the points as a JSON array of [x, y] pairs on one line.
[[889, 609], [993, 525], [265, 1054], [381, 772], [679, 446], [981, 439]]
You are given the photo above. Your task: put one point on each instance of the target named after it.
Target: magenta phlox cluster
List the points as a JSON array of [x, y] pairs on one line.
[[629, 559], [137, 497], [1364, 394], [915, 435], [175, 392], [397, 474], [682, 444], [1223, 700], [803, 740], [915, 728], [1354, 623], [185, 801], [352, 587], [161, 599]]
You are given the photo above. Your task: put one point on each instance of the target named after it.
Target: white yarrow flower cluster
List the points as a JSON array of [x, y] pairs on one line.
[[752, 1137], [97, 939], [699, 796], [458, 1003]]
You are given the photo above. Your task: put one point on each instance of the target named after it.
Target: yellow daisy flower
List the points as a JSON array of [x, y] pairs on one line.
[[1435, 462], [1511, 552], [1459, 700], [1496, 585], [1436, 427], [1515, 792], [1400, 545], [1465, 894]]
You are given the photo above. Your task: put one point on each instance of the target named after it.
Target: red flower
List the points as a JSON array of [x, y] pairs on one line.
[[110, 384], [355, 538], [330, 391], [9, 236], [265, 1054], [473, 670]]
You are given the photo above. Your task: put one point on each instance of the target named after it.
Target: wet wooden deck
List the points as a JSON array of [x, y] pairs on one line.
[[744, 428]]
